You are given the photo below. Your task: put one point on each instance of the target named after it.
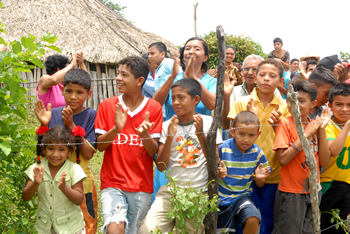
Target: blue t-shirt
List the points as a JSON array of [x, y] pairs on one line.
[[163, 72], [85, 119], [148, 88], [208, 81], [240, 170]]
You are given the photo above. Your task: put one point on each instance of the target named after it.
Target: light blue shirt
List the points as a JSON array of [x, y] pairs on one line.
[[163, 72], [148, 89], [286, 80]]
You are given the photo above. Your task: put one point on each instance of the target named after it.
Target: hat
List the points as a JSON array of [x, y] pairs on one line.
[[310, 56], [329, 62]]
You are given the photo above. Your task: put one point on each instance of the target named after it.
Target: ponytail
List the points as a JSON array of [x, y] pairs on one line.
[[40, 132], [78, 133]]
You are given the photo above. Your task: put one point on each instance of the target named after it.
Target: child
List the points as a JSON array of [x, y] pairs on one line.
[[265, 104], [324, 80], [292, 211], [335, 180], [76, 90], [148, 88], [57, 181], [133, 123], [182, 149], [243, 159]]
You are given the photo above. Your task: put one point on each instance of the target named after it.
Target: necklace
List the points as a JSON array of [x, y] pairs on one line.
[[186, 124]]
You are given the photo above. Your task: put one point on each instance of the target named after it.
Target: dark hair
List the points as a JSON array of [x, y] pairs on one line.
[[309, 63], [293, 60], [145, 56], [322, 76], [160, 47], [59, 135], [339, 89], [138, 66], [55, 61], [277, 39], [246, 117], [193, 87], [304, 86], [231, 47], [206, 52], [274, 62], [79, 77]]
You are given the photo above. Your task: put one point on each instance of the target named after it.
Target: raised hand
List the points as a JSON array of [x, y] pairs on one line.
[[222, 170], [176, 65], [275, 116], [311, 128], [262, 173], [172, 128], [253, 106], [326, 116], [143, 129], [340, 71], [62, 183], [67, 116], [38, 174], [198, 123], [190, 69], [74, 61], [229, 85], [120, 117], [212, 72], [80, 60], [302, 69], [43, 115]]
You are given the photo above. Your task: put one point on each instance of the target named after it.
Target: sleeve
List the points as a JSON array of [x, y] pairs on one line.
[[29, 172], [284, 109], [237, 107], [220, 152], [270, 55], [282, 138], [329, 132], [262, 159], [218, 137], [156, 118], [286, 80], [148, 87], [101, 119], [77, 173], [212, 85], [90, 129], [287, 59], [164, 133]]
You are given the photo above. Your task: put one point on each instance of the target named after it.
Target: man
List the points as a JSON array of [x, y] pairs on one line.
[[310, 57], [311, 66]]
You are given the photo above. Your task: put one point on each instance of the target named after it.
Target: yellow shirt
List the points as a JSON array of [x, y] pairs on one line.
[[338, 167], [266, 140]]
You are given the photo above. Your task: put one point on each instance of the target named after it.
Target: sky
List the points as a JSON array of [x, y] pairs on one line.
[[305, 26]]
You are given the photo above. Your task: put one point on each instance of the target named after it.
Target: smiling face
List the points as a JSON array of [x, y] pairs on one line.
[[126, 81], [305, 104], [196, 50], [341, 108], [294, 66], [154, 56], [268, 78], [75, 96], [230, 55], [182, 102], [245, 136], [249, 71], [56, 154]]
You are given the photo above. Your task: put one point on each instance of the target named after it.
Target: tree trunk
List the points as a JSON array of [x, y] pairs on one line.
[[195, 19]]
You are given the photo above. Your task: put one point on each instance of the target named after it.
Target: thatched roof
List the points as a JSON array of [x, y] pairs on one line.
[[80, 25]]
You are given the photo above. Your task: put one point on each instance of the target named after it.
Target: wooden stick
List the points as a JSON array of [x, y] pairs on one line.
[[211, 219], [310, 159], [195, 19]]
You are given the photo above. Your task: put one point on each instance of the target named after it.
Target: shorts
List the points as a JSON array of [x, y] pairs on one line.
[[122, 206], [238, 212]]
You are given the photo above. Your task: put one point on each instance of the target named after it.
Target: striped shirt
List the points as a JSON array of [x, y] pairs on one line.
[[240, 170]]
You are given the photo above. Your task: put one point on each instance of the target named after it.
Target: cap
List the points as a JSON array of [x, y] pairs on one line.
[[329, 62]]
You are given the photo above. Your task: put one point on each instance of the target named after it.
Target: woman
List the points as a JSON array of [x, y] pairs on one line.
[[281, 55]]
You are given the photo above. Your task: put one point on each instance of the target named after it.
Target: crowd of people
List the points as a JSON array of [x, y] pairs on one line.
[[162, 117]]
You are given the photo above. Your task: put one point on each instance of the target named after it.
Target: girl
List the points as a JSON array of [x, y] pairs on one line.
[[59, 182], [279, 54]]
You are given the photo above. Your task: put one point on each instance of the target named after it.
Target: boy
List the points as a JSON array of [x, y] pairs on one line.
[[243, 159], [265, 104], [76, 90], [292, 211], [324, 80], [182, 149], [133, 123], [148, 88], [336, 179]]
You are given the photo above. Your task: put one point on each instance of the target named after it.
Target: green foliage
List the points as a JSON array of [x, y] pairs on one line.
[[16, 130], [337, 220], [117, 7], [344, 56], [244, 46]]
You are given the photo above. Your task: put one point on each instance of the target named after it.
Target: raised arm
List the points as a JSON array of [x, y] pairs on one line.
[[228, 89], [32, 186], [75, 193]]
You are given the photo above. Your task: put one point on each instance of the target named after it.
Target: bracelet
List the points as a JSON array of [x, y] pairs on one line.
[[296, 148]]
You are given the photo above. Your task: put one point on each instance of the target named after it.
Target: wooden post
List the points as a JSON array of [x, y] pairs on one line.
[[310, 159], [195, 19], [211, 219]]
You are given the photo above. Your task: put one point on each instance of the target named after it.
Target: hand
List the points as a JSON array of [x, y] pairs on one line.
[[43, 115], [326, 116], [67, 116], [120, 117], [176, 65], [311, 128], [172, 128], [190, 69], [212, 72], [253, 106], [340, 71], [302, 69], [80, 58], [229, 85], [38, 174], [275, 116], [262, 173], [222, 170], [62, 183], [198, 123], [143, 129], [73, 63]]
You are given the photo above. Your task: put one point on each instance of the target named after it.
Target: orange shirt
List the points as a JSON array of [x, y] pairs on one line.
[[294, 176]]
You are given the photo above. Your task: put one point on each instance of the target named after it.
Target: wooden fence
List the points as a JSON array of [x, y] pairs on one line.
[[103, 83]]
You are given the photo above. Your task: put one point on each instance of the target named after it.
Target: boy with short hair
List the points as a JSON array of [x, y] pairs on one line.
[[128, 128], [265, 104], [243, 159], [148, 88], [324, 80], [335, 180], [183, 149], [76, 90], [292, 211]]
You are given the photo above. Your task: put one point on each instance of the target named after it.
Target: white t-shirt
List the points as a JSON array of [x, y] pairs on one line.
[[187, 162]]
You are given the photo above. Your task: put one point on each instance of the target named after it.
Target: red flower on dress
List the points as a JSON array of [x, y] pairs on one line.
[[78, 131], [42, 130]]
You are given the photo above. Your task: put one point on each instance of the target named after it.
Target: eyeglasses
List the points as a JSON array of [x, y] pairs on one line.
[[247, 69]]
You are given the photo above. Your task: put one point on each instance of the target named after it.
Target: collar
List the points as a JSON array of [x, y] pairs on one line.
[[255, 96], [235, 149], [137, 110]]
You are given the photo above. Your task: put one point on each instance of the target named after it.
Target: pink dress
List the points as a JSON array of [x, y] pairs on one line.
[[53, 96]]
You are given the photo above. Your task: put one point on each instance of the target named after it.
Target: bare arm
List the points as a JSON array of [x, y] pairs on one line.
[[75, 193], [323, 150], [337, 145], [228, 89], [29, 190]]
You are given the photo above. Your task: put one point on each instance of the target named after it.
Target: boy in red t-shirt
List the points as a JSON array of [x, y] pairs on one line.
[[134, 123], [292, 210]]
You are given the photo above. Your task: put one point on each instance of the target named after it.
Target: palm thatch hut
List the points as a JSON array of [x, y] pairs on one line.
[[80, 25]]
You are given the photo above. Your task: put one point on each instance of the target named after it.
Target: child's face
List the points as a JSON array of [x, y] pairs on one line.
[[341, 108], [322, 96], [154, 56], [277, 45], [126, 81], [75, 96], [182, 102], [196, 50], [245, 136], [305, 104], [268, 78], [56, 154]]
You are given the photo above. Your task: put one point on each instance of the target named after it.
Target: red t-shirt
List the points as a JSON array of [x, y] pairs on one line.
[[294, 176], [126, 164]]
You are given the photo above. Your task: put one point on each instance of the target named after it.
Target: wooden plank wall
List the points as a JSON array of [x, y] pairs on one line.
[[103, 83]]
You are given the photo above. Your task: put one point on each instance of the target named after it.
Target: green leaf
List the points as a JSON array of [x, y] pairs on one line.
[[38, 62], [5, 147], [2, 41], [25, 221], [55, 48], [49, 38], [27, 41], [1, 4], [20, 113], [21, 69], [16, 47], [32, 47]]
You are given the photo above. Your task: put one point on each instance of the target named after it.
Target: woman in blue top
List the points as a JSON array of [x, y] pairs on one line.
[[193, 57]]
